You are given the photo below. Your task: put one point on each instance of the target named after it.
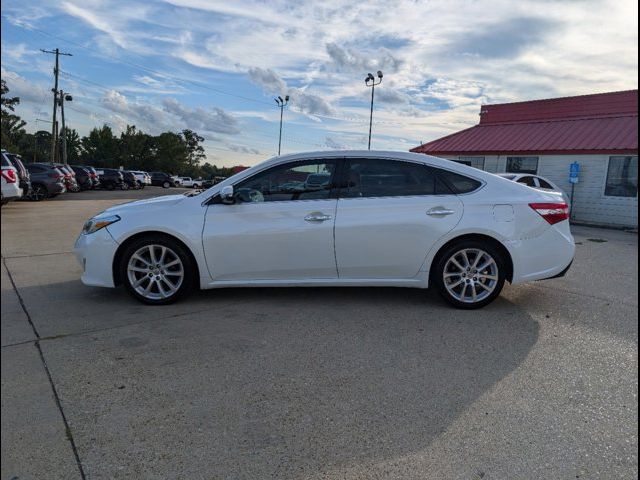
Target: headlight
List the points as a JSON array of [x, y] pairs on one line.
[[96, 223]]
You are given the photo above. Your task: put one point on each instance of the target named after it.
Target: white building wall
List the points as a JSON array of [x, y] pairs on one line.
[[590, 205]]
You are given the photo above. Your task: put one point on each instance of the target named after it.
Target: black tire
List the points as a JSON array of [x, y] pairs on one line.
[[166, 184], [124, 186], [189, 268], [38, 193], [440, 264]]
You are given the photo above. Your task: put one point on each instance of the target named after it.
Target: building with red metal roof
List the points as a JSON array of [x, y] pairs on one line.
[[544, 137]]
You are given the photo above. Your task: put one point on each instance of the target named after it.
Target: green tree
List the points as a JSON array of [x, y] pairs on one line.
[[8, 103], [195, 151], [171, 153], [74, 145], [12, 126], [101, 148], [137, 149]]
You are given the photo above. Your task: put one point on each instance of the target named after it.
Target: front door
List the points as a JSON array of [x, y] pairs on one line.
[[279, 228], [389, 216]]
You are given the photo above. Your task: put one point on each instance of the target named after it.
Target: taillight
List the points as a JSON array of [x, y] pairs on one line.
[[552, 212], [9, 175]]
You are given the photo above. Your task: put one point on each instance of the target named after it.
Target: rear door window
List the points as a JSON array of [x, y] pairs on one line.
[[528, 181], [374, 177], [545, 184], [458, 184]]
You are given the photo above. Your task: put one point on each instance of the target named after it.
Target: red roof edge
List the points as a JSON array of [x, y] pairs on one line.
[[525, 152]]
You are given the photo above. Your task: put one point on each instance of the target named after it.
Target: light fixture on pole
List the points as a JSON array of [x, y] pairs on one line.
[[281, 103], [370, 81]]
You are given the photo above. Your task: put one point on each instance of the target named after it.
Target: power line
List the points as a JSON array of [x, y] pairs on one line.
[[150, 70]]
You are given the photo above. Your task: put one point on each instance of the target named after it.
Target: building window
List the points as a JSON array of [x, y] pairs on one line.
[[622, 177], [522, 165], [475, 162]]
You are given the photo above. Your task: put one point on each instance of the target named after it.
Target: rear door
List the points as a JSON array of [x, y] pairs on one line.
[[389, 215]]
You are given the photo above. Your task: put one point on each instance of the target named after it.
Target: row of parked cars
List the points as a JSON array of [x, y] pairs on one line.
[[40, 180]]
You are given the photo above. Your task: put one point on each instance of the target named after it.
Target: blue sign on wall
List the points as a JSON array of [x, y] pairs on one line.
[[574, 172]]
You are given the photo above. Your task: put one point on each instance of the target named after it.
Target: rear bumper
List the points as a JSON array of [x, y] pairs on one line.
[[546, 256], [95, 253], [11, 191]]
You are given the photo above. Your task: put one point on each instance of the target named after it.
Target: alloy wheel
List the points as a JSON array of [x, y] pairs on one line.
[[470, 275], [38, 192], [155, 272]]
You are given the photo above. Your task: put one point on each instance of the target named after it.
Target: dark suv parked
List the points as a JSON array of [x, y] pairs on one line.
[[23, 174], [46, 181], [69, 177], [130, 179], [94, 175], [110, 178], [83, 177], [161, 179]]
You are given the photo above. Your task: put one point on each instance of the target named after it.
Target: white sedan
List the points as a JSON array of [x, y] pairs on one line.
[[382, 219], [535, 181]]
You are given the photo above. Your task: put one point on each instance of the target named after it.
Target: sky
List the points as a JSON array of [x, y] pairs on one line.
[[215, 66]]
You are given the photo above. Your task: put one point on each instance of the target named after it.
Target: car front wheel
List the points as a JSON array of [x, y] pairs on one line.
[[157, 270], [166, 184], [470, 274]]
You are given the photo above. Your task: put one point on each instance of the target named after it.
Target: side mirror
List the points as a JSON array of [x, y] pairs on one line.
[[226, 194]]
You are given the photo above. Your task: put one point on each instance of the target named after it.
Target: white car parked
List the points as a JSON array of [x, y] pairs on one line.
[[537, 182], [383, 219], [9, 182], [142, 177], [190, 182]]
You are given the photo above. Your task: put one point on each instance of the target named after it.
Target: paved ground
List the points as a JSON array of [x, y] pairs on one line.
[[312, 383]]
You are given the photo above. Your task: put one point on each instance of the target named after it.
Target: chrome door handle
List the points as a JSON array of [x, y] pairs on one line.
[[440, 212], [317, 217]]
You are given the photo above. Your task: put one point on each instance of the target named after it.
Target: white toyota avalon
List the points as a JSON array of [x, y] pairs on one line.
[[339, 218]]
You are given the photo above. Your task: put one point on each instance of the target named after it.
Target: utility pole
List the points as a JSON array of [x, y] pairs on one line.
[[62, 97], [54, 137], [281, 103], [371, 78]]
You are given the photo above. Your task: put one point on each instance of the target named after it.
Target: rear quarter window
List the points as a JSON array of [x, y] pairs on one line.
[[459, 183]]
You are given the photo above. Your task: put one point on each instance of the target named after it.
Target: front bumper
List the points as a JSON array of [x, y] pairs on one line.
[[95, 253]]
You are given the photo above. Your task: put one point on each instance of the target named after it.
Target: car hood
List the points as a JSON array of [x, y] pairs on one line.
[[149, 203]]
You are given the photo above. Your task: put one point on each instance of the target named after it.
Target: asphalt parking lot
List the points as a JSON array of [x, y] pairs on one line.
[[312, 383]]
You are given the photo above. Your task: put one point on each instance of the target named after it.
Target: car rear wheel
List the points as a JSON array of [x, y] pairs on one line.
[[157, 270], [38, 193], [166, 184], [470, 274]]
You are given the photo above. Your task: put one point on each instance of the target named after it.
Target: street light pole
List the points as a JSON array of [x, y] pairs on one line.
[[281, 103], [371, 78]]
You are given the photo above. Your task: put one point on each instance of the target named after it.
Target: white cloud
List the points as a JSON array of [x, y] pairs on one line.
[[199, 119], [302, 101]]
